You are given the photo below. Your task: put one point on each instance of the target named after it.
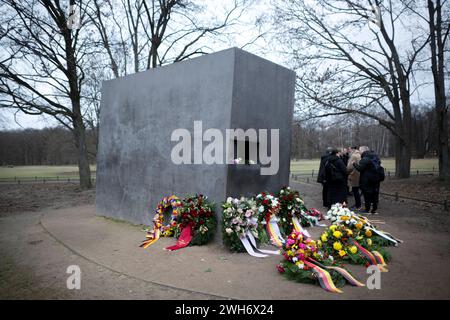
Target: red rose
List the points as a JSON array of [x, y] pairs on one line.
[[280, 268]]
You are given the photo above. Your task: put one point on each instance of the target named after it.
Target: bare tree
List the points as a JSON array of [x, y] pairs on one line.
[[439, 32], [157, 32], [41, 67], [351, 61]]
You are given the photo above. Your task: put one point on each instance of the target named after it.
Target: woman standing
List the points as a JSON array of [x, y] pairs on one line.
[[353, 178], [336, 176]]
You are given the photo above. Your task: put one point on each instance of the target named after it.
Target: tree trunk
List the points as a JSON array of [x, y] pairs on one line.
[[79, 134], [444, 161], [437, 66], [402, 159]]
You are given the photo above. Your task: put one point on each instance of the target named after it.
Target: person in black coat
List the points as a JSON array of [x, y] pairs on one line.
[[321, 177], [369, 181], [336, 177]]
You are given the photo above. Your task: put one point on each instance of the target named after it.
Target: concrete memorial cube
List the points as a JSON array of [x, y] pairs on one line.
[[146, 116]]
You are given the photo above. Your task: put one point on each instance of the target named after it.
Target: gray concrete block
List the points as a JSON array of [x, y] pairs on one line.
[[225, 90]]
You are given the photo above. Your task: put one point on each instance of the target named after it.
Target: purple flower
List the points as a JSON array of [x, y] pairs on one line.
[[290, 242]]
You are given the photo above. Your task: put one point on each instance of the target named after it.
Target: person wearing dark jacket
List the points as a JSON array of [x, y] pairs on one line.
[[369, 181], [336, 177], [321, 176]]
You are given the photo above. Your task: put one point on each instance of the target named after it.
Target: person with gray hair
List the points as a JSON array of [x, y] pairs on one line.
[[363, 149]]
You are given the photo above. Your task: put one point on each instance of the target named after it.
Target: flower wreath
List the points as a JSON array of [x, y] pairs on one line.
[[268, 208], [240, 229], [167, 204], [304, 262], [196, 214], [341, 215], [293, 212], [353, 246]]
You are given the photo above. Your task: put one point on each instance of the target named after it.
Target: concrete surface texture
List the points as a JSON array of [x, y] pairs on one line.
[[225, 90]]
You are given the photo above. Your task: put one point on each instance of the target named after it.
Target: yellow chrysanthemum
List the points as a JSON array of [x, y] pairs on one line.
[[353, 249], [324, 237], [337, 234], [333, 227], [337, 246], [349, 233], [359, 225], [342, 253], [319, 243], [368, 233], [369, 242], [290, 253]]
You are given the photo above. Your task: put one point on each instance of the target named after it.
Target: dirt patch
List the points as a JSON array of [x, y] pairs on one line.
[[34, 197], [427, 188], [35, 258]]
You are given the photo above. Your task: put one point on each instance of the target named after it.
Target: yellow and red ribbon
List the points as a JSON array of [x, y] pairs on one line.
[[371, 258], [324, 277], [273, 233], [350, 279]]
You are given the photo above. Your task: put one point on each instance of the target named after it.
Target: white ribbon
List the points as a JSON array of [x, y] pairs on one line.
[[249, 248], [253, 242], [386, 236]]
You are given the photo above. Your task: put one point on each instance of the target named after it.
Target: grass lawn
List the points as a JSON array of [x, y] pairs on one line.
[[306, 166], [299, 166], [41, 172]]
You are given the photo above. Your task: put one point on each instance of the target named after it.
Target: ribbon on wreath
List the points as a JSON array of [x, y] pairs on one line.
[[386, 235], [249, 243], [273, 231], [379, 258], [381, 233], [324, 277], [248, 247], [253, 243], [151, 238], [373, 259], [184, 239], [347, 276], [298, 227]]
